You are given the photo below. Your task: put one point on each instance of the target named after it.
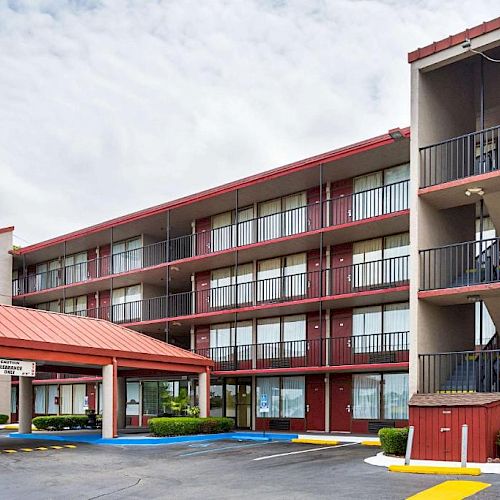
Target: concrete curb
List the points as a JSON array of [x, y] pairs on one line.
[[381, 460]]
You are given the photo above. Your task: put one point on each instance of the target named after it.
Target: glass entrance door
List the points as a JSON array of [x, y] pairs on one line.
[[244, 404]]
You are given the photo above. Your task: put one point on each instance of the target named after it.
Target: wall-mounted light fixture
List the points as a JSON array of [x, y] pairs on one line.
[[474, 190]]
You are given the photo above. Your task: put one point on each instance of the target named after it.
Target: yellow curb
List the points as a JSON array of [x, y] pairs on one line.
[[326, 442], [9, 451], [69, 446], [370, 443], [41, 448], [15, 427], [451, 490], [56, 447], [429, 469], [26, 449]]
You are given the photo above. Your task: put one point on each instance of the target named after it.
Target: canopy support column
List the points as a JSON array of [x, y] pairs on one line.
[[204, 393], [25, 404], [109, 401]]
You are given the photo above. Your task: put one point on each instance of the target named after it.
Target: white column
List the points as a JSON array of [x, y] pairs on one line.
[[25, 404], [203, 394], [108, 415]]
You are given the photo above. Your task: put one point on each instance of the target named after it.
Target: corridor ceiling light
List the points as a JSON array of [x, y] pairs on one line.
[[474, 298], [175, 268], [474, 190]]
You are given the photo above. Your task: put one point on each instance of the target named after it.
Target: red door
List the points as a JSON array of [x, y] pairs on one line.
[[341, 269], [104, 260], [340, 403], [314, 280], [203, 231], [340, 343], [315, 350], [202, 300], [341, 204], [104, 304], [315, 403]]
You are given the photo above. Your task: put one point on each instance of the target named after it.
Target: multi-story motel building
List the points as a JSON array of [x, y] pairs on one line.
[[338, 285]]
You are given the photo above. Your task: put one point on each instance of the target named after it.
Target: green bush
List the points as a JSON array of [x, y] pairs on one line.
[[60, 422], [3, 419], [393, 441], [172, 426]]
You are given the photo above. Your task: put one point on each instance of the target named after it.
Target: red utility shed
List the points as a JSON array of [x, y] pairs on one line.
[[438, 420]]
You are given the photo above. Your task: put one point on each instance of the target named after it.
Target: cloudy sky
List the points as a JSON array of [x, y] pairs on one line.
[[110, 106]]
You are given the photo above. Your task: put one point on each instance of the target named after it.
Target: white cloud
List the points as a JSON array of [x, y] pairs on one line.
[[112, 106]]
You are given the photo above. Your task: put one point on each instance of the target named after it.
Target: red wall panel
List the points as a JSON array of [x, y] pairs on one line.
[[433, 440]]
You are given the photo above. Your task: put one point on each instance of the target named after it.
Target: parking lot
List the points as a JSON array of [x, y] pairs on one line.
[[208, 470]]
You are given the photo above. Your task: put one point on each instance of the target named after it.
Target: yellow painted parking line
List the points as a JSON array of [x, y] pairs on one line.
[[429, 469], [69, 446], [9, 451], [56, 447], [26, 449], [451, 490]]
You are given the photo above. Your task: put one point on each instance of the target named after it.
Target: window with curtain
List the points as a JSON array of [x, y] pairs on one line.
[[221, 291], [222, 231], [13, 399], [79, 391], [221, 335], [269, 222], [366, 321], [294, 214], [76, 305], [396, 320], [244, 283], [49, 306], [367, 263], [150, 398], [40, 399], [246, 226], [270, 386], [293, 397], [41, 277], [54, 273], [396, 246], [75, 269], [268, 338], [127, 255], [126, 305], [243, 339], [66, 399], [395, 196], [133, 398], [366, 396], [294, 335], [52, 406], [295, 275], [367, 199], [396, 396], [269, 279]]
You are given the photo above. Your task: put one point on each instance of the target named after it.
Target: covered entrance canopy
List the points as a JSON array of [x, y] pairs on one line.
[[63, 343]]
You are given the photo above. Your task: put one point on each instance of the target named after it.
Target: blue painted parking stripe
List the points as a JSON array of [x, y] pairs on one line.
[[225, 448]]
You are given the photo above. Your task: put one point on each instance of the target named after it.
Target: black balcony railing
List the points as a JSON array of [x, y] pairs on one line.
[[338, 351], [461, 264], [470, 371], [337, 211], [376, 275], [465, 156]]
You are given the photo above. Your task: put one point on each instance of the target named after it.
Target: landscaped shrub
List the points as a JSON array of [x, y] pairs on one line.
[[3, 419], [393, 441], [171, 426], [60, 422]]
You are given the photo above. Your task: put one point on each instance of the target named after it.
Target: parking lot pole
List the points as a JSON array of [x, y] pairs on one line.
[[465, 430], [409, 445]]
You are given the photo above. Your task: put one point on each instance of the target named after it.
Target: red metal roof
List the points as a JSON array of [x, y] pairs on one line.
[[453, 40], [313, 161], [50, 331], [6, 229]]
